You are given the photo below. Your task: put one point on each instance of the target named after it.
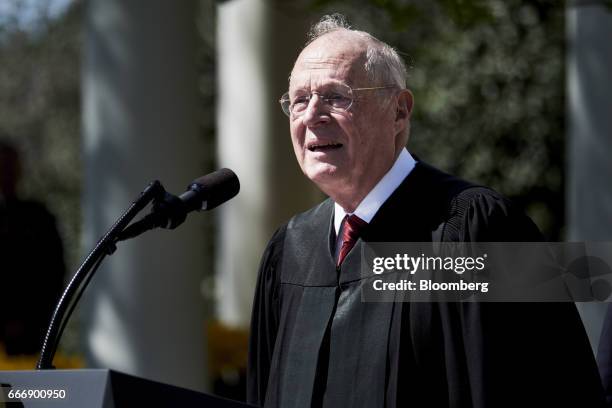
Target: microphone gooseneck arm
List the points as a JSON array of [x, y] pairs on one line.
[[78, 283], [168, 211]]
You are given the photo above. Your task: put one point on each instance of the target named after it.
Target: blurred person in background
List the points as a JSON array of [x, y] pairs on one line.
[[313, 341], [31, 262]]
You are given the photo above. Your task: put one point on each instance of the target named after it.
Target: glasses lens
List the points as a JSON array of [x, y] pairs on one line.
[[338, 98], [285, 103], [300, 103]]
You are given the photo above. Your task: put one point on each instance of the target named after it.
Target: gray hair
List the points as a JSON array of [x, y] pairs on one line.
[[383, 63]]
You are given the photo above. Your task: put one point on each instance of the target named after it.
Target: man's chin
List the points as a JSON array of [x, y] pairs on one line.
[[323, 174]]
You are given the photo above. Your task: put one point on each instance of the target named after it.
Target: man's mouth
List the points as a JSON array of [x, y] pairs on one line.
[[324, 147]]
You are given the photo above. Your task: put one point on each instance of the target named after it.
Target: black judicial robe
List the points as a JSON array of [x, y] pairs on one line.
[[314, 343]]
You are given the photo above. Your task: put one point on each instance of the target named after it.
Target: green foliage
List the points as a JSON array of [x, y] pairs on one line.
[[488, 79]]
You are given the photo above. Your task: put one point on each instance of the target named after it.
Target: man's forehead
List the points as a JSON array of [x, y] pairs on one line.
[[321, 74], [320, 66], [336, 47], [325, 57], [322, 62]]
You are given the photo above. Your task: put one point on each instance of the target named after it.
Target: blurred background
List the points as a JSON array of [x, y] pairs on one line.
[[99, 97]]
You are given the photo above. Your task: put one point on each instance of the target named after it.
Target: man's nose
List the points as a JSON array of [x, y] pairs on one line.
[[315, 113]]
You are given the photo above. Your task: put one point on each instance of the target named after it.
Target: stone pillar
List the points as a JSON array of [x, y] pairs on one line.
[[143, 311], [589, 62], [258, 41]]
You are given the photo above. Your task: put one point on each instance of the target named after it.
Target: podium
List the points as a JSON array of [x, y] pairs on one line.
[[95, 388]]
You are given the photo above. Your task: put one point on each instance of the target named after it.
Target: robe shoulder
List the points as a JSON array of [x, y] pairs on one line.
[[448, 208], [481, 214]]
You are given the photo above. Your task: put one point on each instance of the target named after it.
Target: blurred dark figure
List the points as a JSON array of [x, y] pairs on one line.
[[31, 262]]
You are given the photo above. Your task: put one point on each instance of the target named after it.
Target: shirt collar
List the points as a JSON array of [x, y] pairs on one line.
[[369, 206]]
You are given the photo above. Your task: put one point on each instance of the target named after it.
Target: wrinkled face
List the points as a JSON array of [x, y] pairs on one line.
[[342, 152]]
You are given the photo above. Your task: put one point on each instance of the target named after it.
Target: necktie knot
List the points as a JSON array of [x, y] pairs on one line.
[[350, 233]]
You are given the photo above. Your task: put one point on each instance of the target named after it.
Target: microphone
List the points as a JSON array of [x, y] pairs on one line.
[[211, 190], [204, 193]]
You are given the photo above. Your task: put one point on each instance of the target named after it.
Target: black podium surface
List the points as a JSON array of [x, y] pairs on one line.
[[95, 388]]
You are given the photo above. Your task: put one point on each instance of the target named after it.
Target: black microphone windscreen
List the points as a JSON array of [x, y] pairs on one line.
[[220, 186]]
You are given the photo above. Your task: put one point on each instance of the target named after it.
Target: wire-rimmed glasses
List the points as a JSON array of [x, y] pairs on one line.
[[338, 98]]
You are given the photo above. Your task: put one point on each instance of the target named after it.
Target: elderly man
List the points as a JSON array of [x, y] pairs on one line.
[[313, 341]]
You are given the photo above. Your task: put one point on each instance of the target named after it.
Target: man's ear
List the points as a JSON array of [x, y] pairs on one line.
[[405, 102]]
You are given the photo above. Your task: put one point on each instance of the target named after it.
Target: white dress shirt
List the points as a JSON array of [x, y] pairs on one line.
[[369, 206]]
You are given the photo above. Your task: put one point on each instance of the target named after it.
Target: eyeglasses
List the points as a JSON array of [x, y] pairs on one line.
[[339, 98]]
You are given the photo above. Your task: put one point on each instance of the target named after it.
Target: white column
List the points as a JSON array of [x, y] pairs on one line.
[[257, 42], [589, 64], [143, 311], [242, 138]]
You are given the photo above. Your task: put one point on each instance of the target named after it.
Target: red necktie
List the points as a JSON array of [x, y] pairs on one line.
[[350, 233]]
